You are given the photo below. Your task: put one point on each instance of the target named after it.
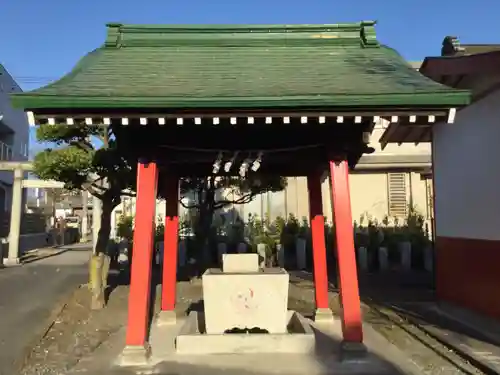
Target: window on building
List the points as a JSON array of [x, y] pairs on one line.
[[397, 194]]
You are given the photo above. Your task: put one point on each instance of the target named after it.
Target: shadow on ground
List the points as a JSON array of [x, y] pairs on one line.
[[326, 355], [326, 359], [120, 276]]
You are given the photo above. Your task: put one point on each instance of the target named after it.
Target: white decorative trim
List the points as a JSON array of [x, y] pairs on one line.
[[451, 115], [233, 119], [31, 118]]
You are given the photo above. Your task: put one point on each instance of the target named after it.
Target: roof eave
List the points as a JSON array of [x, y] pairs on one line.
[[455, 98]]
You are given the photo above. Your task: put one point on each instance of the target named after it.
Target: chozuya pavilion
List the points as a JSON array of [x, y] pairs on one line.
[[301, 99]]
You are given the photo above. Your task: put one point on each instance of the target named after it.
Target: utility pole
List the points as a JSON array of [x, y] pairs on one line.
[[96, 219], [85, 216]]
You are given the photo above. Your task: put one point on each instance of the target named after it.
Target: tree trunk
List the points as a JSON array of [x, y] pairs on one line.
[[99, 262], [206, 203]]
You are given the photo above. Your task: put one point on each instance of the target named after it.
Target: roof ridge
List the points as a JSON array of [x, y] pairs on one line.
[[358, 33]]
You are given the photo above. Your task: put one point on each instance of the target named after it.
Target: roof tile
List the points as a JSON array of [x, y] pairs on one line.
[[249, 62]]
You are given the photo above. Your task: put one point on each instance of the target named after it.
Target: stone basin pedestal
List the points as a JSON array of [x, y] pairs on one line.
[[246, 297], [243, 296]]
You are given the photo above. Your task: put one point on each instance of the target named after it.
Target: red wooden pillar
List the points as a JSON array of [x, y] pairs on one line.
[[169, 282], [140, 278], [318, 240], [348, 277]]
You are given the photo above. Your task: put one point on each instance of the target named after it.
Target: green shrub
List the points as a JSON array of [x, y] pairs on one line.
[[125, 227]]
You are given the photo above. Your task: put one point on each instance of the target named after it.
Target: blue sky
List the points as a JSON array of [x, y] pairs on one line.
[[41, 40]]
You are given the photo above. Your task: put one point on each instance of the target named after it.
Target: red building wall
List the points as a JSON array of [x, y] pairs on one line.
[[466, 162]]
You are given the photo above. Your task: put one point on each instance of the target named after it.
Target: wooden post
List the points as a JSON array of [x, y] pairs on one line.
[[348, 278], [170, 251], [318, 240], [140, 279]]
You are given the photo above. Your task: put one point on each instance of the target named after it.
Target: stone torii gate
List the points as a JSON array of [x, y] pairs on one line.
[[19, 169]]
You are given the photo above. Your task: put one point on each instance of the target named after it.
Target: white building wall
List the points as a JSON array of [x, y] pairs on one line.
[[467, 174], [12, 121], [13, 118]]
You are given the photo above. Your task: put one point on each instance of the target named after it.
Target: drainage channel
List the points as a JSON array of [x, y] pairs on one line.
[[439, 355]]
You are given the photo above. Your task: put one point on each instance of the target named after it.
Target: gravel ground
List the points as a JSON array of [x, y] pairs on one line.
[[31, 296], [430, 356], [78, 331]]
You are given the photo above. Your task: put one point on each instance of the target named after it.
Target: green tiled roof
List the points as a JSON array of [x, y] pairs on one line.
[[252, 66]]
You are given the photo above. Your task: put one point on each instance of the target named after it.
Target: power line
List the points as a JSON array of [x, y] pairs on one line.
[[34, 80], [38, 78]]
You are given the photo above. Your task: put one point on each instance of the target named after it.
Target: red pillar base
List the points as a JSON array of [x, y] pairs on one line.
[[325, 316], [348, 277], [132, 356], [352, 351], [166, 317]]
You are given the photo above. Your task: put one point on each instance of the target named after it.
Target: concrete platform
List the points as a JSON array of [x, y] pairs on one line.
[[193, 340], [324, 358], [382, 357]]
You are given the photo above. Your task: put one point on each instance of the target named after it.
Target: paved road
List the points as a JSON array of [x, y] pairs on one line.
[[28, 295]]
